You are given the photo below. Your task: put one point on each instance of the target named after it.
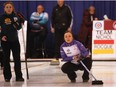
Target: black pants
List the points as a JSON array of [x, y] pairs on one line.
[[70, 68], [36, 40], [15, 47], [59, 39]]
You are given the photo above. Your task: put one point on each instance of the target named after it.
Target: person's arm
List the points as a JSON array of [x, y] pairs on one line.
[[53, 18], [34, 17], [16, 23], [20, 15], [86, 19], [0, 22], [44, 18], [83, 50], [2, 31], [63, 55], [70, 17]]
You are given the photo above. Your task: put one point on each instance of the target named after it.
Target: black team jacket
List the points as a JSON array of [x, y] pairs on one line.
[[61, 17], [10, 23]]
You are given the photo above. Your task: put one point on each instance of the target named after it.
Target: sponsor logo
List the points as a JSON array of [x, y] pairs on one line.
[[98, 25]]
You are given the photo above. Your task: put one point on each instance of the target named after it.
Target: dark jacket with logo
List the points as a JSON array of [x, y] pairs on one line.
[[9, 26], [61, 17]]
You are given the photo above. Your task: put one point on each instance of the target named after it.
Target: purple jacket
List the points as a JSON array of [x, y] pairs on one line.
[[83, 50]]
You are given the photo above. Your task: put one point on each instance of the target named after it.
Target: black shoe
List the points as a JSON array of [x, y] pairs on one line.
[[85, 80], [73, 81], [20, 79], [7, 80]]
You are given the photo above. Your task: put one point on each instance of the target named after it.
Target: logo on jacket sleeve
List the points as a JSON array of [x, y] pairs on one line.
[[15, 19]]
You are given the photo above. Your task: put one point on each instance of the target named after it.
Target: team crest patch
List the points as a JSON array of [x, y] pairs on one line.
[[8, 21]]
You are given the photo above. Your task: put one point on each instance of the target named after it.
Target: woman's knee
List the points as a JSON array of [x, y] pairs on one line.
[[88, 63], [64, 68]]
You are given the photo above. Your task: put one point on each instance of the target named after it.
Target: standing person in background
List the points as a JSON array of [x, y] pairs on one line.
[[71, 51], [10, 22], [61, 21], [39, 29], [85, 32]]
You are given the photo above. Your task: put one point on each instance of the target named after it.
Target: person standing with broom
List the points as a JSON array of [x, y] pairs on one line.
[[10, 23]]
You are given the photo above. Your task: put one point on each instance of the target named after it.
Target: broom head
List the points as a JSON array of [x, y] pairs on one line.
[[97, 82]]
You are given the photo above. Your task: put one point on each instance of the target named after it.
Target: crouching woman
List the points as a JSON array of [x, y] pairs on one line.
[[71, 52]]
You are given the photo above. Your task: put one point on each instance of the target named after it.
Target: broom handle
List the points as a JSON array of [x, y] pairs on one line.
[[87, 70], [25, 51]]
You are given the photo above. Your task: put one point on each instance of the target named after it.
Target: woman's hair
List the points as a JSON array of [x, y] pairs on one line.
[[69, 32], [9, 2]]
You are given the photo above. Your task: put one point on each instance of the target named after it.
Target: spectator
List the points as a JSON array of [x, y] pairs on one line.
[[38, 31], [10, 22], [85, 32], [61, 21]]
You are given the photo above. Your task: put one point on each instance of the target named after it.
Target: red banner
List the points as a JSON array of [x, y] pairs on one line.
[[109, 25]]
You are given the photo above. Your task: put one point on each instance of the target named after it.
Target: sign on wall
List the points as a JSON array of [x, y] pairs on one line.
[[104, 40]]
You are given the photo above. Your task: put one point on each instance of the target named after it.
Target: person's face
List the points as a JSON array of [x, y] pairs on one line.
[[8, 8], [68, 37], [60, 2], [91, 10], [40, 9]]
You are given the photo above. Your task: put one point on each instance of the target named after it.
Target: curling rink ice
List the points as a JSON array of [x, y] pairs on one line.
[[42, 74]]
